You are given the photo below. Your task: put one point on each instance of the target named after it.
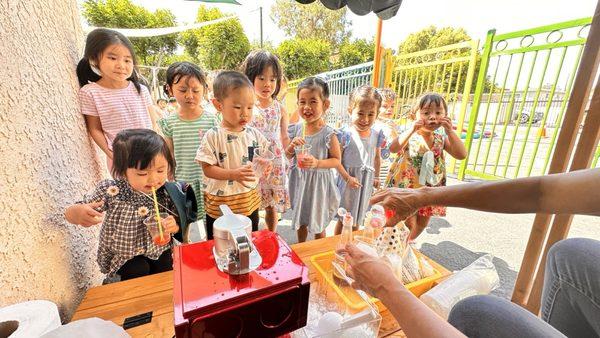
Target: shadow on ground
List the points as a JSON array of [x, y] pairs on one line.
[[455, 257]]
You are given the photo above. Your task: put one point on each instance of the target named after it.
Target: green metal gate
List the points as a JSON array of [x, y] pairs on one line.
[[448, 70], [523, 86]]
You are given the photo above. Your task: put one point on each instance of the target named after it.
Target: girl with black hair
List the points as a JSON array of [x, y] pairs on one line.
[[111, 97], [271, 119], [185, 128], [142, 163]]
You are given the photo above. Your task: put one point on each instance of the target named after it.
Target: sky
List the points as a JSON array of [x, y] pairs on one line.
[[475, 16]]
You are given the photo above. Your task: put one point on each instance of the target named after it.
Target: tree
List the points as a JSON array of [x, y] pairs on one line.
[[222, 45], [355, 52], [124, 14], [312, 21], [428, 38], [303, 57]]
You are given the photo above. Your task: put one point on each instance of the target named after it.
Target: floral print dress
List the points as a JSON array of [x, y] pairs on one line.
[[273, 189], [406, 168]]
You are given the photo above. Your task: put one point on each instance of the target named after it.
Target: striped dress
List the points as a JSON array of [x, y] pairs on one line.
[[118, 109], [186, 137]]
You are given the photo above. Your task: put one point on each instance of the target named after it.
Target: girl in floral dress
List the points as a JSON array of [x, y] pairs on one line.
[[421, 162], [270, 118]]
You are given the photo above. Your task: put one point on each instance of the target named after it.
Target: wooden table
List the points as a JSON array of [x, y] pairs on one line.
[[117, 301]]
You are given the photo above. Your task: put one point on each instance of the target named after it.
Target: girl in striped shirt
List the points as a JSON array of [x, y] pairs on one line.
[[111, 96], [184, 129]]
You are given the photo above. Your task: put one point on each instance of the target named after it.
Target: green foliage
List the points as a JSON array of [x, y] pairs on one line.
[[355, 52], [418, 79], [312, 21], [304, 57], [124, 14], [218, 46]]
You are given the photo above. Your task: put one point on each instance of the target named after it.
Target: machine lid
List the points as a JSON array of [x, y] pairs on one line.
[[203, 289], [230, 221]]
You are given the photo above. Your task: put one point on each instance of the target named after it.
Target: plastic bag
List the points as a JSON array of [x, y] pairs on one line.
[[90, 328], [479, 278]]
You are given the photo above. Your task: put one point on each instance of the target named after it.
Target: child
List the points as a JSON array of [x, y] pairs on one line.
[[390, 128], [226, 150], [361, 154], [111, 96], [422, 163], [184, 129], [142, 161], [315, 198], [161, 108], [270, 118]]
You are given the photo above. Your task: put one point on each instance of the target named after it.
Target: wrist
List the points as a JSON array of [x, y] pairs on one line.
[[423, 197], [389, 289]]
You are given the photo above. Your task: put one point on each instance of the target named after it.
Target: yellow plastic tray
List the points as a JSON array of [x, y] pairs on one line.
[[323, 264]]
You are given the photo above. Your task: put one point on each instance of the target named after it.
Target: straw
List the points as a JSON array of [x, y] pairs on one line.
[[160, 229], [303, 129]]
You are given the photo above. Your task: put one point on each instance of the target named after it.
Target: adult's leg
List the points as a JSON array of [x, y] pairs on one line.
[[162, 264], [338, 227], [134, 268], [571, 295], [490, 316]]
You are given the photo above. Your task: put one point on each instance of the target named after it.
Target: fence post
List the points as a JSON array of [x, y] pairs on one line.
[[479, 88], [466, 94]]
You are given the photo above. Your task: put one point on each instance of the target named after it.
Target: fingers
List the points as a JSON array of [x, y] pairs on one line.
[[378, 196], [96, 205]]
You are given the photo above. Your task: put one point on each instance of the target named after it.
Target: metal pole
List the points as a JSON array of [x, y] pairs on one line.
[[261, 28]]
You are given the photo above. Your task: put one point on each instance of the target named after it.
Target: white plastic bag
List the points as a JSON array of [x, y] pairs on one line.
[[479, 278], [89, 328]]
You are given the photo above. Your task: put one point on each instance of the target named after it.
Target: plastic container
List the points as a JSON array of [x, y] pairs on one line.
[[324, 302], [322, 262], [479, 278]]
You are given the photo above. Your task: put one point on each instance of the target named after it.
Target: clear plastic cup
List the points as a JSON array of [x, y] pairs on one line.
[[302, 151], [261, 160], [152, 224]]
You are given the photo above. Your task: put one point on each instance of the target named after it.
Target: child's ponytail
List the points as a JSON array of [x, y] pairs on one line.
[[85, 74]]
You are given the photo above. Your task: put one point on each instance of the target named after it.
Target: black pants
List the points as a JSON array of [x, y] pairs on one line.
[[140, 266], [210, 221]]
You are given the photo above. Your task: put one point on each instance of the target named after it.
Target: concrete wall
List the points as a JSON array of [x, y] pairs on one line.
[[46, 158]]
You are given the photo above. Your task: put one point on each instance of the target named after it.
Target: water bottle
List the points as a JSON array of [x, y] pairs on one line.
[[345, 238], [479, 278]]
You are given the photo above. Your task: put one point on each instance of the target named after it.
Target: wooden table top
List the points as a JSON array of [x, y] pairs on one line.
[[117, 301]]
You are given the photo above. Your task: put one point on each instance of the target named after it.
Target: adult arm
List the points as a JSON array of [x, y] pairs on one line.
[[94, 127], [373, 275], [567, 193]]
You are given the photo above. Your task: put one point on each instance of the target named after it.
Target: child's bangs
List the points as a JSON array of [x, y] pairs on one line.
[[428, 100]]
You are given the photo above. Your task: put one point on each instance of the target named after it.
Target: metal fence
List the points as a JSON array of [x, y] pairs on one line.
[[531, 73], [341, 83]]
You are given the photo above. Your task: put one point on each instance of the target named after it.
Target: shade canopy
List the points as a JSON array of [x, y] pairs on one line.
[[385, 9]]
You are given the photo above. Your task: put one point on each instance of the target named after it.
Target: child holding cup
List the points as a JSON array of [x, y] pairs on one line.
[[129, 245], [316, 150]]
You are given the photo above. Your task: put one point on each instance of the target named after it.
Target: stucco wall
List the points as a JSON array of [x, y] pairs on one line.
[[46, 158]]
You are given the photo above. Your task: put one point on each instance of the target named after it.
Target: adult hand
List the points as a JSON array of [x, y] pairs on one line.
[[376, 183], [403, 202], [371, 274], [85, 214], [170, 225]]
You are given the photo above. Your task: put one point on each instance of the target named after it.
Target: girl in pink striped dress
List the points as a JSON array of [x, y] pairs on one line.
[[111, 97]]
